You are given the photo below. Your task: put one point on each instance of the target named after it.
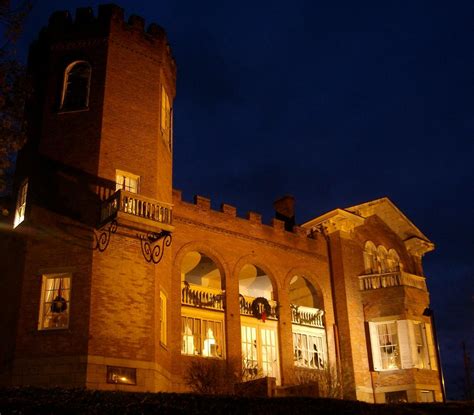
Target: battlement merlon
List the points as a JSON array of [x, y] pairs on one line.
[[63, 28]]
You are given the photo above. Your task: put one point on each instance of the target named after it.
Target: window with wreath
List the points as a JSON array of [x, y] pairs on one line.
[[21, 204], [401, 344], [55, 301], [76, 86]]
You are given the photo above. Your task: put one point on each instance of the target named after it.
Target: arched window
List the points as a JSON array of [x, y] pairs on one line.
[[382, 256], [309, 335], [393, 260], [77, 79], [202, 307], [370, 258]]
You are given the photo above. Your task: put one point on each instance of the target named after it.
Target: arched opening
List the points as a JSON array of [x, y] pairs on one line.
[[77, 78], [370, 258], [307, 316], [259, 324], [202, 307], [393, 260], [382, 256]]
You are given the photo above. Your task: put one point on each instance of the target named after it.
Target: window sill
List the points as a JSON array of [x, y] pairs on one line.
[[72, 111], [52, 329]]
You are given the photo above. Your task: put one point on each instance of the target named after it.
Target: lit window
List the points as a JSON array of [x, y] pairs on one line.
[[420, 346], [163, 318], [77, 77], [309, 350], [21, 204], [126, 181], [123, 375], [385, 347], [402, 344], [55, 301], [202, 337], [166, 117]]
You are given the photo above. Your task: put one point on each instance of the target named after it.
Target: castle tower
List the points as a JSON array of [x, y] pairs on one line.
[[93, 220]]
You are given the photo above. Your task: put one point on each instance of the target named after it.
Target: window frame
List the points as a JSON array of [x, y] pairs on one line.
[[320, 335], [163, 318], [166, 118], [67, 72], [21, 202], [408, 355], [43, 314], [200, 338], [127, 175]]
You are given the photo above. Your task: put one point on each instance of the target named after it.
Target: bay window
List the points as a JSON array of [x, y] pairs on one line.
[[401, 344]]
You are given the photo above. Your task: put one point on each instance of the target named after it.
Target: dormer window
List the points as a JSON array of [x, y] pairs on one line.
[[77, 78]]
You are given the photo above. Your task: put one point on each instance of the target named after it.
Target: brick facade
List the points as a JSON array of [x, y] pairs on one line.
[[70, 162]]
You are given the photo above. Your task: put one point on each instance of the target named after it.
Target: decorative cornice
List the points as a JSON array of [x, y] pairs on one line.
[[336, 220], [418, 247], [181, 219]]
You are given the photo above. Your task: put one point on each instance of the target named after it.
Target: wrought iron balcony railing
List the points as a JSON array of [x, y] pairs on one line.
[[202, 297], [391, 279], [307, 316], [135, 206]]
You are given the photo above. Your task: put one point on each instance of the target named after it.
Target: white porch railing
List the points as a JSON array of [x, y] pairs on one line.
[[307, 316], [246, 307], [136, 205], [391, 279], [202, 297]]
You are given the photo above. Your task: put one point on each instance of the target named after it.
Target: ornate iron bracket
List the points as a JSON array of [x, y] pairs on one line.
[[102, 236], [153, 245]]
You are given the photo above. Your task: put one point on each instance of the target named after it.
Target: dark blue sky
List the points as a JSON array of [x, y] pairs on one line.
[[336, 103]]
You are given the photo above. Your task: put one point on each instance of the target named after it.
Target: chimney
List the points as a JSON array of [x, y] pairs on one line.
[[285, 211]]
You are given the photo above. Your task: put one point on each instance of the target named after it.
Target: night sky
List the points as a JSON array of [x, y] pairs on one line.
[[336, 103]]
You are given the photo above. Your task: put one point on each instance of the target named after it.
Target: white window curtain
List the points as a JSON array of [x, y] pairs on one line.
[[403, 344]]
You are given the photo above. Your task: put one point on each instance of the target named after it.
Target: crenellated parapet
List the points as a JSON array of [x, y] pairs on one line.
[[201, 205], [66, 31]]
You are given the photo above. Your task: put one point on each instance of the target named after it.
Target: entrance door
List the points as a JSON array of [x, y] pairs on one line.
[[260, 350]]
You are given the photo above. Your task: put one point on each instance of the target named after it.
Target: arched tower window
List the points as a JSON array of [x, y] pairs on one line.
[[77, 78], [370, 258]]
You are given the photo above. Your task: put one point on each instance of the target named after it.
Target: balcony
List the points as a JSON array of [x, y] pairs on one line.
[[391, 279], [307, 316], [138, 209], [202, 297]]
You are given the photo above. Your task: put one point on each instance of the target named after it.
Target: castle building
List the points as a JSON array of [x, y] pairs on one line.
[[111, 281]]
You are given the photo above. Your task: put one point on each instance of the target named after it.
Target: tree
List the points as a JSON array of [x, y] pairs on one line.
[[13, 87]]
